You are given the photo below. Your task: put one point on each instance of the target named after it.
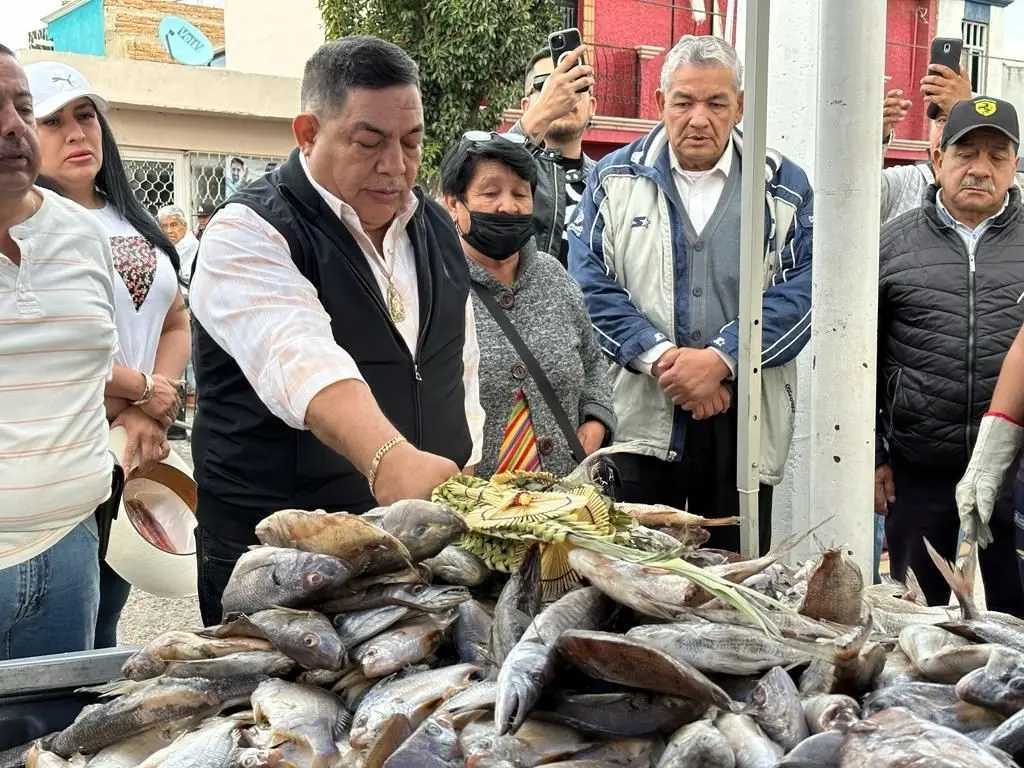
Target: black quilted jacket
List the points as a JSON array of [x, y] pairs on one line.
[[945, 320]]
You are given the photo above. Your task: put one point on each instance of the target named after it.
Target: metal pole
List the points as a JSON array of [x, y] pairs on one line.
[[748, 373], [848, 156]]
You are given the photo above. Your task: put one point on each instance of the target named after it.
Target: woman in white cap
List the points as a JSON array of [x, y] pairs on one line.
[[79, 154]]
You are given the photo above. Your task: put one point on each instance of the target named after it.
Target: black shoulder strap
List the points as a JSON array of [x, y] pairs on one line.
[[536, 372]]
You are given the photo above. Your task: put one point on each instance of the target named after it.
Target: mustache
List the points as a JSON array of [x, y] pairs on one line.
[[977, 182], [16, 150]]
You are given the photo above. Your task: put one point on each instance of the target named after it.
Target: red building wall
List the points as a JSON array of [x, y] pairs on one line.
[[910, 26]]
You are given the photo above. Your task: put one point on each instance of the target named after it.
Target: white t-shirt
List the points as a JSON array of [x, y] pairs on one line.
[[143, 295], [57, 343]]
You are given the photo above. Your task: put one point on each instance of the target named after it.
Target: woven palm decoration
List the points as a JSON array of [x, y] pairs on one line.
[[515, 509]]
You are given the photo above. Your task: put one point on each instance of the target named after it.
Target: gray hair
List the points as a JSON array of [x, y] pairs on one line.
[[702, 51], [356, 61], [172, 212]]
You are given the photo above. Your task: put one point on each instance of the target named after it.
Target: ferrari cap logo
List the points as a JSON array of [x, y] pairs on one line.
[[985, 107]]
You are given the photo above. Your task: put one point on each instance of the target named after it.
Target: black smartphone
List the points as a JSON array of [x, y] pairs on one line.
[[563, 42], [946, 51]]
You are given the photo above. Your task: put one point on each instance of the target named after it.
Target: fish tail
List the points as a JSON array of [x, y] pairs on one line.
[[959, 577]]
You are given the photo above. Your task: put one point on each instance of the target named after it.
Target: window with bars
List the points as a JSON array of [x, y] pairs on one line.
[[570, 13], [152, 181], [975, 34], [215, 176]]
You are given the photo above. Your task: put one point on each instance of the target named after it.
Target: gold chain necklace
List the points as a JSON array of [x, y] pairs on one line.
[[393, 299]]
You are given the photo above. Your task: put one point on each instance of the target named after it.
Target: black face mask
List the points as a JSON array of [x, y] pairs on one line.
[[498, 236]]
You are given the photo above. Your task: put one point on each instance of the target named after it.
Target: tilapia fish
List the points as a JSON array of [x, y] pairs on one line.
[[830, 711], [428, 598], [425, 528], [698, 744], [835, 589], [266, 577], [999, 685], [207, 747], [634, 662], [270, 663], [435, 744], [413, 696], [472, 630], [623, 714], [307, 637], [151, 660], [364, 547], [517, 604], [534, 743], [147, 705], [311, 718], [531, 664], [934, 702], [775, 706], [454, 565], [400, 646], [358, 626], [941, 656], [895, 738], [753, 749], [722, 649]]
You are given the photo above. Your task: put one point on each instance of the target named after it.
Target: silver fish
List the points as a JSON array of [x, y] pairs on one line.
[[266, 577], [208, 747], [472, 630], [424, 527], [698, 744], [830, 711], [435, 744], [454, 565], [359, 626], [270, 663], [934, 702], [309, 717], [941, 656], [749, 744], [517, 604], [818, 751], [532, 662], [775, 706]]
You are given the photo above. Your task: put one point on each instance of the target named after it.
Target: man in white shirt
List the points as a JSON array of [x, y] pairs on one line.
[[655, 248], [335, 347], [174, 223], [58, 344]]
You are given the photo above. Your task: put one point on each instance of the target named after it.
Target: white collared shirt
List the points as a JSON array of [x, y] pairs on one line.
[[699, 192], [256, 304], [58, 341], [969, 236]]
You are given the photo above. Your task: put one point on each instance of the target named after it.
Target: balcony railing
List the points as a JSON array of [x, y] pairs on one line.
[[617, 71]]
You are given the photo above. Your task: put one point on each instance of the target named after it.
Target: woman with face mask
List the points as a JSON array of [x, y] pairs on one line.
[[80, 156], [543, 379]]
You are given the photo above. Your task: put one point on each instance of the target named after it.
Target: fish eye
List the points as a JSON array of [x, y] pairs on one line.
[[310, 640], [420, 530], [485, 745], [434, 729], [316, 579], [418, 589]]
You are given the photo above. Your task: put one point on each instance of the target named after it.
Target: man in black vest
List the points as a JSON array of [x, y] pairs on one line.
[[335, 347]]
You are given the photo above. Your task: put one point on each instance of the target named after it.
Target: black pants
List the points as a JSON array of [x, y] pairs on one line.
[[703, 482], [217, 556], [113, 589], [925, 507]]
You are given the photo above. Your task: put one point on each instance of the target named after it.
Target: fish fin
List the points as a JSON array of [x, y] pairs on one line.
[[791, 542], [959, 577], [913, 586], [117, 687]]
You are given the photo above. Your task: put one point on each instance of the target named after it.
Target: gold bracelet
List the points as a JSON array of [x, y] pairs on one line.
[[371, 476], [147, 394]]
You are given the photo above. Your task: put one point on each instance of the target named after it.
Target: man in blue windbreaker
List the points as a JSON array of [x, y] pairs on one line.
[[655, 247]]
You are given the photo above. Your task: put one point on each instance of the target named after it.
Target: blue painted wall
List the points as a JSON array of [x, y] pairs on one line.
[[80, 30]]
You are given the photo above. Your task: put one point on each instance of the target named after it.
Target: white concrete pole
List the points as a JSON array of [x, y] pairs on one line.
[[755, 132], [848, 157]]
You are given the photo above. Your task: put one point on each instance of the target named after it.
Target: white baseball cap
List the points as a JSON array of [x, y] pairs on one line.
[[55, 85]]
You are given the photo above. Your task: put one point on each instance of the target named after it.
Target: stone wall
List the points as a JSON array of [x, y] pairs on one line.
[[132, 27]]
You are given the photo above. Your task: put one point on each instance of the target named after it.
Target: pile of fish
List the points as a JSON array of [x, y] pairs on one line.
[[373, 641]]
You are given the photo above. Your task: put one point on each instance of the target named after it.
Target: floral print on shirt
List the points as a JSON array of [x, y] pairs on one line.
[[135, 261]]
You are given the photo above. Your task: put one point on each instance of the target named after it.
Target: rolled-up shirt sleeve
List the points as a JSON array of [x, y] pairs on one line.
[[250, 297], [475, 415]]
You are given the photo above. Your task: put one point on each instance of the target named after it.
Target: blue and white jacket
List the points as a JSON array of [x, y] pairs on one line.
[[627, 250]]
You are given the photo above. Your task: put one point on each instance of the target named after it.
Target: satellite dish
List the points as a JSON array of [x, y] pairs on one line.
[[184, 42]]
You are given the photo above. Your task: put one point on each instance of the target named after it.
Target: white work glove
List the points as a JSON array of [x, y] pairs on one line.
[[999, 440]]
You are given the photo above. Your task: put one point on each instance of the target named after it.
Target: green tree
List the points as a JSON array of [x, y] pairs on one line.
[[471, 55]]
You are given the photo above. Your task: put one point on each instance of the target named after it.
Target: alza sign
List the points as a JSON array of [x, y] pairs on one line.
[[184, 42]]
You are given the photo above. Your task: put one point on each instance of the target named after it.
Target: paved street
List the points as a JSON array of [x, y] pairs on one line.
[[146, 616]]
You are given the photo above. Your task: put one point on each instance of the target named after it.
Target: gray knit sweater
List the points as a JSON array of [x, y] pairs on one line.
[[550, 315]]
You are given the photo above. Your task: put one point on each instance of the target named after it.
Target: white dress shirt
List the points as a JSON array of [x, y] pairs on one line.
[[58, 341], [256, 304], [699, 192]]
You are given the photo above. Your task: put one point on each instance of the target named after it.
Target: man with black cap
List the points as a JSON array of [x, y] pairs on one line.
[[951, 274]]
